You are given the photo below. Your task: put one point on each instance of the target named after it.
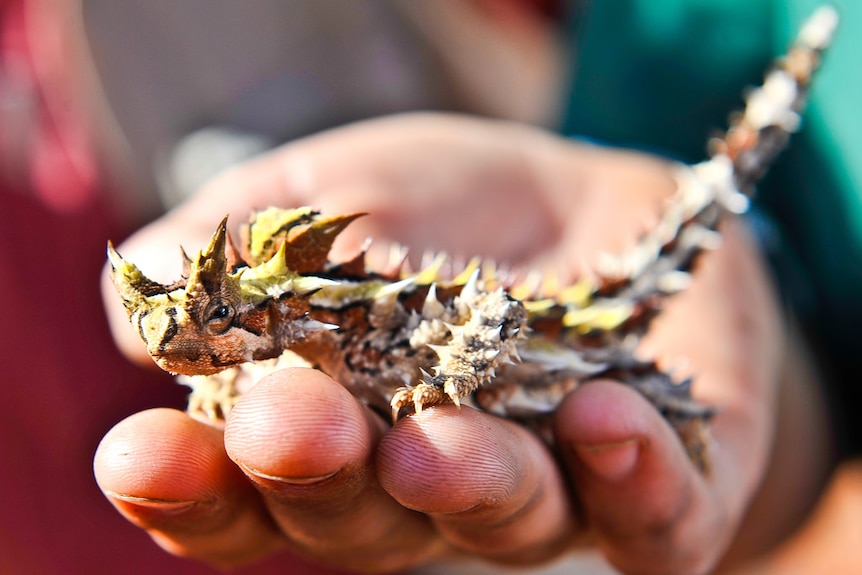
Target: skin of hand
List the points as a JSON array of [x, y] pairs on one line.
[[302, 465]]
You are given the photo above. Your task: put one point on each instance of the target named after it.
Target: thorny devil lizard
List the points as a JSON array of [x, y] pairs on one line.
[[401, 340]]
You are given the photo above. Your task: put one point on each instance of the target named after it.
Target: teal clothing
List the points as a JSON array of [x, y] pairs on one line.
[[660, 75]]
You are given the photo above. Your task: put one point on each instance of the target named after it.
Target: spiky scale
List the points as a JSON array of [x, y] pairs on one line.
[[431, 307]]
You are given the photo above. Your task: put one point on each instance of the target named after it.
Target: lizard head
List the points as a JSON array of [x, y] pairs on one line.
[[221, 314]]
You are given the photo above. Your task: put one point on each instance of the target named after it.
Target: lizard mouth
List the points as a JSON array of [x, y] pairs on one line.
[[185, 363]]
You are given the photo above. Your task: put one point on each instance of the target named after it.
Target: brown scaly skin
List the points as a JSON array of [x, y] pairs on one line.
[[404, 341]]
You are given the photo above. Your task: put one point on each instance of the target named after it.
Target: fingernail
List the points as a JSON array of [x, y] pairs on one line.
[[611, 462], [163, 506], [256, 473]]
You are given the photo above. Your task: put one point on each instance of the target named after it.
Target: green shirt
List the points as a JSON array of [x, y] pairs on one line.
[[661, 75]]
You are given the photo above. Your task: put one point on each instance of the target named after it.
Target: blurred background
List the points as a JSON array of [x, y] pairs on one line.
[[113, 112]]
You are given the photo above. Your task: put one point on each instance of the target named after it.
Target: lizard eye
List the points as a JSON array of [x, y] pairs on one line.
[[219, 317], [220, 312]]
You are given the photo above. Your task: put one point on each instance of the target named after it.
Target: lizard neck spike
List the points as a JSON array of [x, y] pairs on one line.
[[274, 278]]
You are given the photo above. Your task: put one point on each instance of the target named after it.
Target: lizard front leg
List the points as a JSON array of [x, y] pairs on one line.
[[479, 331]]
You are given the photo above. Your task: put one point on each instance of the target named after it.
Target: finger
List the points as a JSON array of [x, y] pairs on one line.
[[651, 509], [169, 475], [734, 353], [306, 444], [490, 486]]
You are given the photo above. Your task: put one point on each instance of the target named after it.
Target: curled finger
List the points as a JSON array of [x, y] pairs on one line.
[[306, 444], [490, 486]]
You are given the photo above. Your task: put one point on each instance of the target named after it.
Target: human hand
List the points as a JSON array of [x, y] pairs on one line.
[[303, 465]]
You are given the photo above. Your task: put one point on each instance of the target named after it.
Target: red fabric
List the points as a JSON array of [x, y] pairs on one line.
[[61, 166], [63, 384]]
